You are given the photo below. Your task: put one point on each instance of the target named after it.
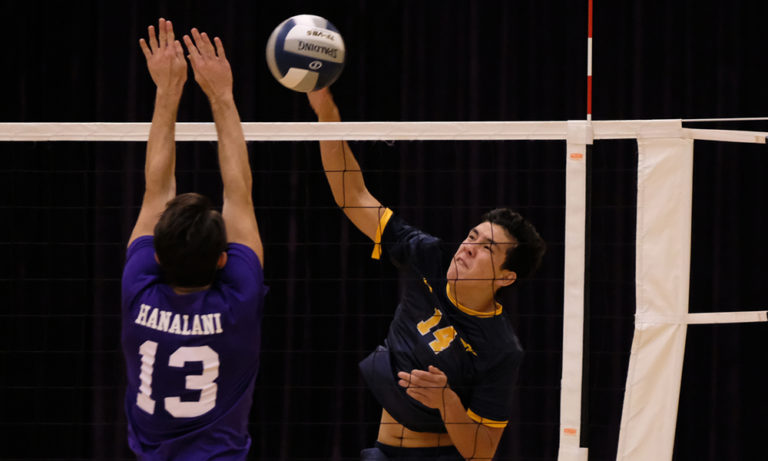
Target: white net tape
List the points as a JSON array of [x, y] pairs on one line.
[[364, 131]]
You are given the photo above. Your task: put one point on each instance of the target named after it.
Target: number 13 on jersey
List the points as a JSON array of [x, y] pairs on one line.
[[180, 357]]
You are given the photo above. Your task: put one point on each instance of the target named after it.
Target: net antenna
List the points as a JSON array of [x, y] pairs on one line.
[[589, 61]]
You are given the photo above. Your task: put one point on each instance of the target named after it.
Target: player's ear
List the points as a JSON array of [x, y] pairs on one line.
[[222, 260], [506, 278]]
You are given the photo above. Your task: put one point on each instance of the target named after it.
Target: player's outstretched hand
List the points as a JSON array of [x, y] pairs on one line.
[[212, 70], [165, 57]]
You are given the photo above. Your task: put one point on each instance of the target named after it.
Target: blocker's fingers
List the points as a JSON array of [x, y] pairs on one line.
[[178, 48], [145, 48], [207, 46], [198, 40], [169, 32], [152, 38], [161, 33], [191, 48], [219, 47]]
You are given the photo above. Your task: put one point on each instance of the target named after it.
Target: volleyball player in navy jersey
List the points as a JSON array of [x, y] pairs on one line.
[[192, 287], [445, 372]]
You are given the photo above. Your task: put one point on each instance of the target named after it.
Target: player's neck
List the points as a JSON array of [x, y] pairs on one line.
[[480, 300], [188, 290]]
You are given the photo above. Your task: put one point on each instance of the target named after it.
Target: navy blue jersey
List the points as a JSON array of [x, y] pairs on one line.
[[478, 351], [191, 359]]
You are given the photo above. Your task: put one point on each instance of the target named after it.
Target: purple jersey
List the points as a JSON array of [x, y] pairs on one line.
[[191, 359]]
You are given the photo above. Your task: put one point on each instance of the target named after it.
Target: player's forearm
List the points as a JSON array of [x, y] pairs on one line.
[[161, 145], [469, 437], [343, 173], [341, 168], [233, 153]]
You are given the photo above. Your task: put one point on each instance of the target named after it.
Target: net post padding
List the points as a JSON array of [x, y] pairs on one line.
[[663, 242]]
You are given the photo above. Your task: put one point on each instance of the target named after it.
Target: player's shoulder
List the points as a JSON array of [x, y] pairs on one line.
[[140, 263], [398, 228], [240, 248], [242, 254], [139, 244], [503, 350], [499, 331], [242, 276], [407, 246]]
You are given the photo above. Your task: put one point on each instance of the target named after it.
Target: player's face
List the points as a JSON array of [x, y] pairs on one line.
[[478, 261]]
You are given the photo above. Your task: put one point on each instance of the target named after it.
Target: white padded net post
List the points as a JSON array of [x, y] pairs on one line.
[[663, 242]]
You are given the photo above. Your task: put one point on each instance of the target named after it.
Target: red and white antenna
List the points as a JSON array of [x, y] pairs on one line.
[[589, 63]]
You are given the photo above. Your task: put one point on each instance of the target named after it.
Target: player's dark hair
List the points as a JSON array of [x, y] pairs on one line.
[[526, 256], [189, 237]]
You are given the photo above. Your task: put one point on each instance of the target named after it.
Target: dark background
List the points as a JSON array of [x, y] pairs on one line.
[[67, 207]]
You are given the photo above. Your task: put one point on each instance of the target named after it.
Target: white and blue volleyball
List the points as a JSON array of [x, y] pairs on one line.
[[305, 53]]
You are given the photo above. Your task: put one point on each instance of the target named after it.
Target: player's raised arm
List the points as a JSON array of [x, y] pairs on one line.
[[168, 68], [343, 171], [214, 75]]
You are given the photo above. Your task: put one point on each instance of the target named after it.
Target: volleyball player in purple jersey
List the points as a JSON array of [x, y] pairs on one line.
[[445, 372], [193, 287]]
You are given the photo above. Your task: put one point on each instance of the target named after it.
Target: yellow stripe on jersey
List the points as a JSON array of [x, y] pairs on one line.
[[380, 230], [486, 421], [424, 279], [468, 310]]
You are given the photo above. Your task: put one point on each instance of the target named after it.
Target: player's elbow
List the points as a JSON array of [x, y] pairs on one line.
[[160, 192], [481, 445], [237, 189], [478, 456]]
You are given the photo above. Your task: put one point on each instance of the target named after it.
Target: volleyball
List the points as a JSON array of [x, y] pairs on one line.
[[305, 53]]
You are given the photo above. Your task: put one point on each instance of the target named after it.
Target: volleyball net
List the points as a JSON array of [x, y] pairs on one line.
[[73, 191]]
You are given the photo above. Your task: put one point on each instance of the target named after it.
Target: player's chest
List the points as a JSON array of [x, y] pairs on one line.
[[442, 336]]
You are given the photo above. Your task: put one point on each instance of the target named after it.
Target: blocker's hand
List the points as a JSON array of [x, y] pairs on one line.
[[165, 57], [428, 387], [212, 70], [323, 105]]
